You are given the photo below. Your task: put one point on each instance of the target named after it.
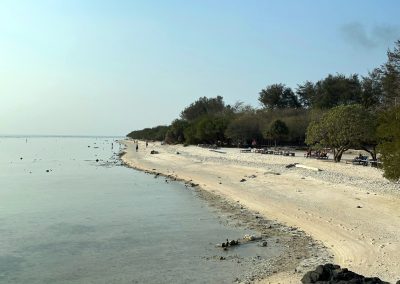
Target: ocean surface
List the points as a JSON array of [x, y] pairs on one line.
[[67, 218]]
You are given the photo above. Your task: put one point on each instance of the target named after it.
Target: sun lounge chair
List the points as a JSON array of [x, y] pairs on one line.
[[323, 156], [360, 160]]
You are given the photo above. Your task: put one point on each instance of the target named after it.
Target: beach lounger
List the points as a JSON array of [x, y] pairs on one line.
[[360, 160]]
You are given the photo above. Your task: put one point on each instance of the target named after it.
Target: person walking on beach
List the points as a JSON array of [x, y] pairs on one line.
[[137, 147], [147, 144]]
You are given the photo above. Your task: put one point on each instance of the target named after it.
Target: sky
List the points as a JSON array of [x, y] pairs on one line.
[[76, 67]]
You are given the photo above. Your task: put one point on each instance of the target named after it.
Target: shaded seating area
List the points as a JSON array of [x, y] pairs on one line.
[[282, 152], [360, 160], [265, 150], [323, 155], [288, 153], [260, 150]]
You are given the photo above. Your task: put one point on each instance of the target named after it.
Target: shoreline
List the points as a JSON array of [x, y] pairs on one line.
[[295, 198], [302, 253]]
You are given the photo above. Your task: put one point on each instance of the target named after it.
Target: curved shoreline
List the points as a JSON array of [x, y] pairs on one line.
[[295, 198]]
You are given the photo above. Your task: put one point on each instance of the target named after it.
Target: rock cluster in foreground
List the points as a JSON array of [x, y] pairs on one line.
[[333, 274]]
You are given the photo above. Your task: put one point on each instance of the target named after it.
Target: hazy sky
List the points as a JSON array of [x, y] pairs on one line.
[[108, 67]]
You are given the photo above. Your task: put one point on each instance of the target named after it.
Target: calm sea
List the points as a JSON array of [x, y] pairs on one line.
[[67, 218]]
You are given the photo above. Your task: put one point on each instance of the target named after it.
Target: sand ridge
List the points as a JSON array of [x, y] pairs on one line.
[[351, 209]]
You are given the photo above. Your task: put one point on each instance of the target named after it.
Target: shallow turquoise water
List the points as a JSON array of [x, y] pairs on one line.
[[65, 218]]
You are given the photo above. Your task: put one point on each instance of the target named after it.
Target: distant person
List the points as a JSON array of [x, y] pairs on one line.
[[147, 144], [137, 147], [254, 143]]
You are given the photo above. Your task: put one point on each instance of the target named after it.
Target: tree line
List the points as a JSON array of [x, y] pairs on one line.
[[338, 112]]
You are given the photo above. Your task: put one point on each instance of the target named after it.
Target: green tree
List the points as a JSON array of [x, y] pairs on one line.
[[203, 106], [190, 134], [277, 130], [243, 129], [390, 73], [155, 133], [389, 147], [342, 128], [372, 91], [211, 129], [278, 96], [175, 133], [337, 89], [295, 119], [306, 94]]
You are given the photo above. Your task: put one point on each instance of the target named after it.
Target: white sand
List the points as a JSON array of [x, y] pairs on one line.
[[323, 204]]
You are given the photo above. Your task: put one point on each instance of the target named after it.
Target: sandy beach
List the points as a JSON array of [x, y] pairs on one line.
[[352, 210]]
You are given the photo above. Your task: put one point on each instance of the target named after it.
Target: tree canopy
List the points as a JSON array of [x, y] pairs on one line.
[[341, 128], [243, 129], [203, 106], [277, 130], [390, 72], [278, 96]]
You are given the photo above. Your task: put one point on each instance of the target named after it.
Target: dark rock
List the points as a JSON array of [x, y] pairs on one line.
[[222, 258], [97, 160], [264, 244], [333, 274], [291, 165], [154, 152], [47, 171], [242, 180], [358, 206]]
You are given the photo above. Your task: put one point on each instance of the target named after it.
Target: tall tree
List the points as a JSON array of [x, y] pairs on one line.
[[202, 107], [210, 129], [175, 133], [391, 76], [306, 93], [277, 130], [336, 90], [278, 96], [372, 91]]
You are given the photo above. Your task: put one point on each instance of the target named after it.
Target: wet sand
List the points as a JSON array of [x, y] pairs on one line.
[[351, 210]]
